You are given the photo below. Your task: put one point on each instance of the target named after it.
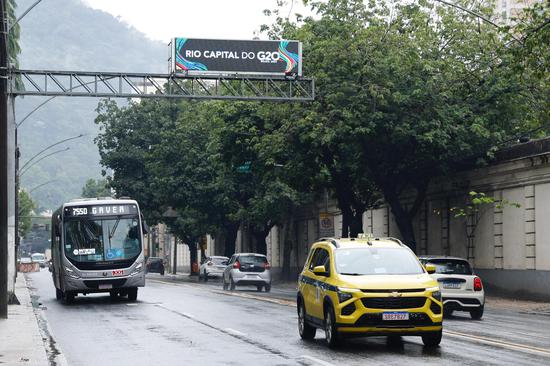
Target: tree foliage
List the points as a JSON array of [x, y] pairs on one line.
[[26, 207], [96, 188], [405, 92]]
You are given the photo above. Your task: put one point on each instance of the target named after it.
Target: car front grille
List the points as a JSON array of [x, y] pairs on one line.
[[375, 320], [95, 284], [393, 302]]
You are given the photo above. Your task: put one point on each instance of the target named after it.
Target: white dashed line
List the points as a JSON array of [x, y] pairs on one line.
[[316, 360], [235, 332]]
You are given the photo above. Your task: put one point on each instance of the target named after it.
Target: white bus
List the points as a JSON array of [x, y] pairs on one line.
[[97, 246]]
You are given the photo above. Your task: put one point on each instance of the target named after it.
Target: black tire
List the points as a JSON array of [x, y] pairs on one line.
[[231, 284], [477, 314], [58, 294], [432, 339], [162, 272], [68, 297], [307, 332], [447, 313], [331, 333], [259, 288], [132, 293], [113, 295], [205, 276], [267, 288], [224, 284]]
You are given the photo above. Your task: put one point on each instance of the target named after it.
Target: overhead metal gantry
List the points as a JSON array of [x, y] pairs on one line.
[[145, 85]]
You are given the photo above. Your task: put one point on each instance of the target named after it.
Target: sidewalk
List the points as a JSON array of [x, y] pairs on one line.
[[20, 339]]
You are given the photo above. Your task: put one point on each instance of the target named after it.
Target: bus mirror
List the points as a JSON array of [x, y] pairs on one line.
[[57, 230], [144, 227]]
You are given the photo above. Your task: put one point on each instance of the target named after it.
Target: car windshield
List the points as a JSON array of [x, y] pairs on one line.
[[451, 266], [219, 260], [252, 259], [376, 261], [38, 257], [99, 240]]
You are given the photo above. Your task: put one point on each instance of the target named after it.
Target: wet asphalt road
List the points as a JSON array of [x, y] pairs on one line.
[[182, 323]]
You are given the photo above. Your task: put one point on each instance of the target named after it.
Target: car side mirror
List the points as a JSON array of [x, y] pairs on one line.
[[320, 271], [430, 268], [225, 263]]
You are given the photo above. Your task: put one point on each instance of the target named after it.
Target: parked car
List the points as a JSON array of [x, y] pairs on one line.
[[39, 258], [367, 287], [247, 269], [461, 289], [155, 264], [212, 266]]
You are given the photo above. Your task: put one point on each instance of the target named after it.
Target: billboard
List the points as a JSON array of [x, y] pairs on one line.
[[217, 56]]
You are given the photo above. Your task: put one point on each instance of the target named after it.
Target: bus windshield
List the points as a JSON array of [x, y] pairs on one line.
[[106, 239]]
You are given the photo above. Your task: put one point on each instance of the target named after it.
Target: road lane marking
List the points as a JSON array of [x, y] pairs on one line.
[[496, 342], [261, 298], [316, 360], [236, 332]]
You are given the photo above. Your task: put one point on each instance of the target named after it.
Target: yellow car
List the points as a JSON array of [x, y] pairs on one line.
[[368, 286]]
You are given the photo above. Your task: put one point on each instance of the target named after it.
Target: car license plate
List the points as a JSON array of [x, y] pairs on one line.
[[105, 286], [451, 284], [395, 316]]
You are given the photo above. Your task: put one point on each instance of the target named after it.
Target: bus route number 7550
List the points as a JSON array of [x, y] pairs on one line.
[[77, 211]]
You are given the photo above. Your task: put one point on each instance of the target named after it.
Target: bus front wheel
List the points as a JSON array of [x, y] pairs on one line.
[[132, 294], [58, 294], [68, 297]]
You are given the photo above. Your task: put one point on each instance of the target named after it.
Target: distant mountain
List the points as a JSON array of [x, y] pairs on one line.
[[68, 35]]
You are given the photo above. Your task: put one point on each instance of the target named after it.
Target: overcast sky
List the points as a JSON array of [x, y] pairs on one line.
[[165, 19]]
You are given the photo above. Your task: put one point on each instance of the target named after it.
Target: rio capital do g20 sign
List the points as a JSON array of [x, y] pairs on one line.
[[216, 56]]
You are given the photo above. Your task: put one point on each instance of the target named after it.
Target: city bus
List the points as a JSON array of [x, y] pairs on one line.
[[97, 246]]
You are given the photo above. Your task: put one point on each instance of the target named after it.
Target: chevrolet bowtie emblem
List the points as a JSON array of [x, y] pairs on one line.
[[396, 294]]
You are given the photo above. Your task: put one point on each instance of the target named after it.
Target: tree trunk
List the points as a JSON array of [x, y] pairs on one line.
[[356, 223], [230, 236], [346, 218], [287, 245], [259, 235], [403, 218], [193, 256]]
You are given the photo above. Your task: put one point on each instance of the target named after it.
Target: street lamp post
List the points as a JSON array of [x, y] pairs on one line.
[[172, 214]]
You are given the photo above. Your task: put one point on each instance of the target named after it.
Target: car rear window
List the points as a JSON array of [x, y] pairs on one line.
[[451, 266], [218, 260], [252, 259]]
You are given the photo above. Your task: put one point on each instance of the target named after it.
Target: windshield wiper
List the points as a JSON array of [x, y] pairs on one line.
[[352, 274], [112, 233]]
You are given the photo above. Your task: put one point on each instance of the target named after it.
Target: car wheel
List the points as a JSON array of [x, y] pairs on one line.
[[205, 277], [331, 334], [162, 272], [268, 287], [113, 295], [447, 313], [259, 288], [477, 313], [231, 284], [224, 283], [58, 294], [132, 293], [306, 331], [432, 339]]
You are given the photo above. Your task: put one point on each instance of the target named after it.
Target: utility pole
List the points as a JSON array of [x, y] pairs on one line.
[[3, 162]]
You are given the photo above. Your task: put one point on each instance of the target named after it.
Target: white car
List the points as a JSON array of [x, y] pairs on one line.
[[461, 289], [39, 258], [212, 266]]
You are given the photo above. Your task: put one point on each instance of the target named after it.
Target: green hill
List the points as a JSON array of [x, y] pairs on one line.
[[68, 35]]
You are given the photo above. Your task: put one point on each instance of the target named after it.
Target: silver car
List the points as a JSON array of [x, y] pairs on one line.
[[212, 266], [247, 269], [461, 289]]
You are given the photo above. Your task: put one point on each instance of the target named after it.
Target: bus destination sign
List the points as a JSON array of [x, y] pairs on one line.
[[100, 210]]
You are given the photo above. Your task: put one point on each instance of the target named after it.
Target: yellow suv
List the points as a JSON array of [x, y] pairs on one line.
[[367, 286]]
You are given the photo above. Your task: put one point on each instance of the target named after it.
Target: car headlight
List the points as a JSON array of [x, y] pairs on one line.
[[345, 294], [71, 273]]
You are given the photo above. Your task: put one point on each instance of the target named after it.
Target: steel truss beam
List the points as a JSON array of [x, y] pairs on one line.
[[140, 85]]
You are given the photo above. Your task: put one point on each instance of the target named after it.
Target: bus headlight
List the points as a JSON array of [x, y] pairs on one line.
[[71, 273], [138, 269]]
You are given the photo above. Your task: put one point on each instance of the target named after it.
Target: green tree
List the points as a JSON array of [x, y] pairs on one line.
[[26, 209], [96, 188]]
